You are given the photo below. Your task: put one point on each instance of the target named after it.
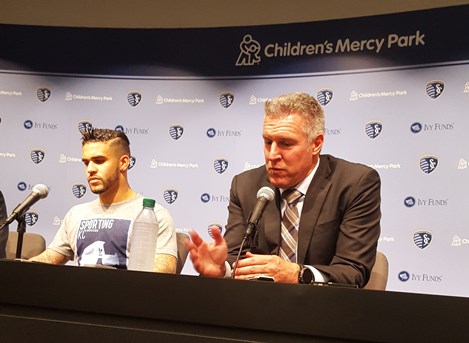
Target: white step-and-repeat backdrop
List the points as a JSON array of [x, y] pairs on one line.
[[395, 90]]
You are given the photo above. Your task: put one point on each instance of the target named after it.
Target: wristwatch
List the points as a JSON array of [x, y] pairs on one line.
[[305, 275]]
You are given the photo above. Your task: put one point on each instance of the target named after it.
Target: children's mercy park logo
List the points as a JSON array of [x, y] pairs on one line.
[[249, 52]]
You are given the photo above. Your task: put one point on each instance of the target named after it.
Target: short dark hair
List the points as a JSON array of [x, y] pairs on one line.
[[105, 135]]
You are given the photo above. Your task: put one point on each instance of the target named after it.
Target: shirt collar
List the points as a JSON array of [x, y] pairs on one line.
[[304, 185]]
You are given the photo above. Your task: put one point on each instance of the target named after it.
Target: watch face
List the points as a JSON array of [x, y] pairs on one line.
[[306, 275]]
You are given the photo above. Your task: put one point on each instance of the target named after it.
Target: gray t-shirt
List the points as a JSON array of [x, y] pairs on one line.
[[95, 234]]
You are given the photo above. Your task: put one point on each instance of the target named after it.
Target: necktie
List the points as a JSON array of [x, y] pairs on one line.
[[290, 222]]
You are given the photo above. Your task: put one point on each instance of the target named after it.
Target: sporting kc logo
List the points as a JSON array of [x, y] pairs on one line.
[[37, 155], [220, 165], [422, 239], [134, 98], [428, 163], [78, 190], [373, 129], [170, 196], [325, 96], [31, 218], [176, 132], [85, 126], [435, 89], [43, 94], [226, 99], [132, 162]]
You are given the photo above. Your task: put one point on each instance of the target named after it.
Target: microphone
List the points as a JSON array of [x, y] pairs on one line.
[[39, 192], [264, 196]]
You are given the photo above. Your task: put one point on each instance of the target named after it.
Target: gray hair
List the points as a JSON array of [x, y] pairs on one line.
[[302, 104]]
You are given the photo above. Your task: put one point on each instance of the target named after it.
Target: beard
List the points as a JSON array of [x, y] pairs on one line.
[[105, 185]]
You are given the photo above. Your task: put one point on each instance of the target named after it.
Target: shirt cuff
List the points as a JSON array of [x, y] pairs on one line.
[[227, 270], [318, 276]]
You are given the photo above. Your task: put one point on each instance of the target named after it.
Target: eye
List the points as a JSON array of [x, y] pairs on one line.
[[286, 144]]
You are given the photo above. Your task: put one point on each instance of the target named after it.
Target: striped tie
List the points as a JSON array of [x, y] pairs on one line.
[[290, 222]]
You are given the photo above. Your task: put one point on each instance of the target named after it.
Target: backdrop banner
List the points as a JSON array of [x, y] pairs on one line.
[[395, 90]]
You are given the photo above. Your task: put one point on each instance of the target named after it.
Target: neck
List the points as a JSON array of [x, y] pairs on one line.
[[123, 193]]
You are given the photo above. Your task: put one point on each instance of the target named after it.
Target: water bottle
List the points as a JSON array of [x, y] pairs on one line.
[[143, 238]]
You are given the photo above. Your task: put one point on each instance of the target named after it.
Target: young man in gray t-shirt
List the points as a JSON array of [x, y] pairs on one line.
[[98, 232]]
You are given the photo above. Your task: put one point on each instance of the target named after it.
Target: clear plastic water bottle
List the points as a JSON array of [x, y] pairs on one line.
[[143, 238]]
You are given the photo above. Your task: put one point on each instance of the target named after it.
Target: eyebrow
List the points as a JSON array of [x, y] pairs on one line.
[[93, 158]]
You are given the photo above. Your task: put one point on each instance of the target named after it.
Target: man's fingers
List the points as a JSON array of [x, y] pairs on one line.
[[216, 234], [196, 239]]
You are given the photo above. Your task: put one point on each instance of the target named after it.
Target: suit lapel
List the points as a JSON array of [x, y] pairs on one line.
[[313, 203]]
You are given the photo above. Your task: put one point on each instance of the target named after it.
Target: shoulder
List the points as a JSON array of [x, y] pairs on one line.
[[87, 206], [341, 167], [162, 211], [255, 174]]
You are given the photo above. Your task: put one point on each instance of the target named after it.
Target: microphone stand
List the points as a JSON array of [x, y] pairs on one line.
[[237, 258], [21, 230], [251, 229]]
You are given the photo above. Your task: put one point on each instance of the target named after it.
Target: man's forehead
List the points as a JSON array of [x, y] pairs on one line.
[[100, 148]]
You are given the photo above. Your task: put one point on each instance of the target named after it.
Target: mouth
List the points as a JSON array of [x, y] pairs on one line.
[[93, 180], [274, 170]]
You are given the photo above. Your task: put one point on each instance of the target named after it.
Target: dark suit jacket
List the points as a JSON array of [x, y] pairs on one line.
[[4, 231], [339, 224]]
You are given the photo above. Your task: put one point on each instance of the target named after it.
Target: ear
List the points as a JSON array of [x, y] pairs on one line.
[[316, 146], [124, 162]]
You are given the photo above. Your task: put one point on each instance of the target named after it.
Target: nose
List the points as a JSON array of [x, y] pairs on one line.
[[273, 153], [90, 168]]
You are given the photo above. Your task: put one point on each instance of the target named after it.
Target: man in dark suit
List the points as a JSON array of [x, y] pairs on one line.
[[4, 231], [338, 208]]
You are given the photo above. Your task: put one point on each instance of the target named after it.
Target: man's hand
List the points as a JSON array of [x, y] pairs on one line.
[[208, 258], [271, 265], [50, 256]]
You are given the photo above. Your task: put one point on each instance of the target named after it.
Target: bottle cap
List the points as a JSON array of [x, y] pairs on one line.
[[149, 202]]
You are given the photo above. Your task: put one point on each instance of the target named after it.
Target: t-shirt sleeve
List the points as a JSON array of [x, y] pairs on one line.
[[166, 242], [62, 240]]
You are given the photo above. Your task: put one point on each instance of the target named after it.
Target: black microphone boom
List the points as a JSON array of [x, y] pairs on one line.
[[264, 196], [39, 192]]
